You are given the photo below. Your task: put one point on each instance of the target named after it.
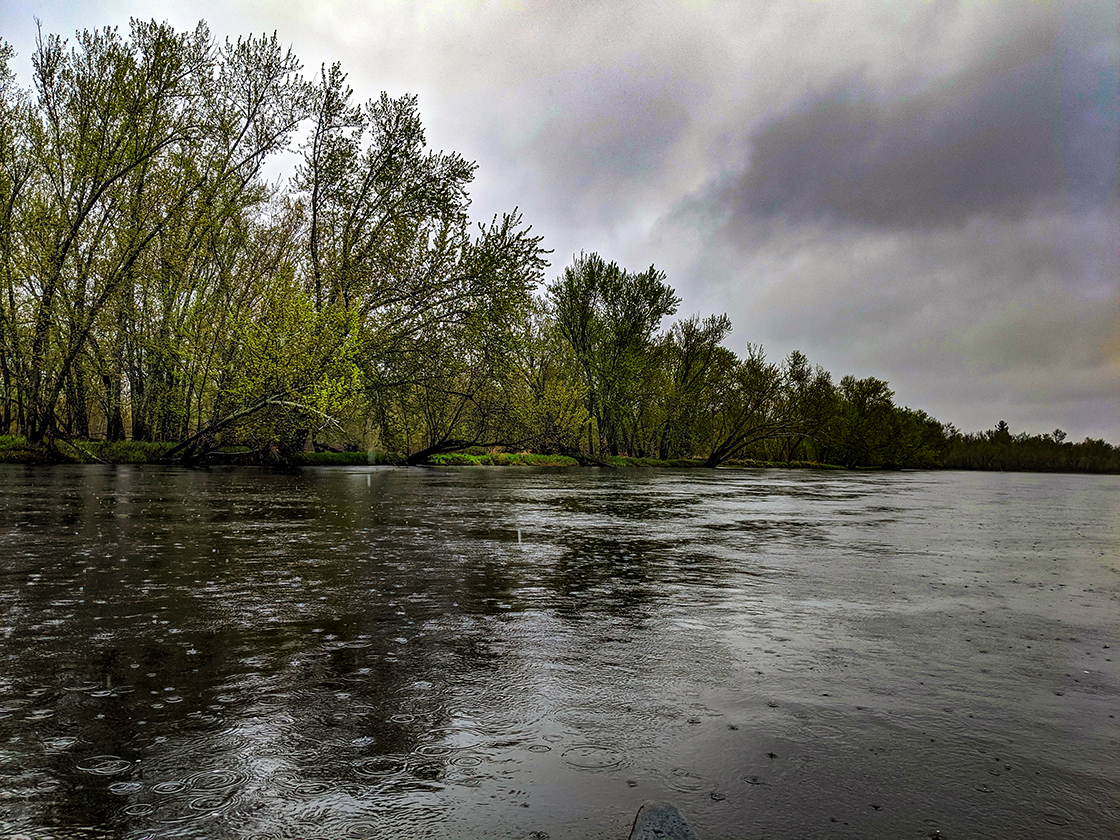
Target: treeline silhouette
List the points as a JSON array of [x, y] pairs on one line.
[[999, 449], [154, 285]]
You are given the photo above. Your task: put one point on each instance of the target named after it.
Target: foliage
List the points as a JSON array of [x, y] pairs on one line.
[[155, 287], [998, 449], [124, 451], [501, 459], [608, 316]]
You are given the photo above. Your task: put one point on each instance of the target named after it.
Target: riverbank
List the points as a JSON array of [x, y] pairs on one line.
[[15, 450]]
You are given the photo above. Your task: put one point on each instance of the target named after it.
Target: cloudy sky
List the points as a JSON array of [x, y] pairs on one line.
[[925, 192]]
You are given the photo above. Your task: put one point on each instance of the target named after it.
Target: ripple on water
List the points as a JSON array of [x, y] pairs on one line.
[[125, 788], [312, 789], [684, 782], [305, 756], [411, 819], [82, 687], [104, 765], [360, 829], [169, 788], [61, 743], [174, 811], [210, 803], [455, 737], [217, 780], [425, 769], [379, 767], [434, 750], [465, 761], [593, 757]]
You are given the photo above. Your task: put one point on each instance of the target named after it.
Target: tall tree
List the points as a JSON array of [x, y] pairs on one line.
[[130, 136], [692, 351], [609, 316], [17, 169]]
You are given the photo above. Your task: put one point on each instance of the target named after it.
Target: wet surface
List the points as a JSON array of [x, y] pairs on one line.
[[508, 653]]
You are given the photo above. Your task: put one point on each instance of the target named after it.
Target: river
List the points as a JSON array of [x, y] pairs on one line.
[[531, 653]]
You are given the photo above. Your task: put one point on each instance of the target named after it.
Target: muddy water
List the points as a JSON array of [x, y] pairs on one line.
[[505, 653]]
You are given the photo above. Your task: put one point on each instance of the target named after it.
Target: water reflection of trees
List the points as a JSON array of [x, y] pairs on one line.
[[245, 639]]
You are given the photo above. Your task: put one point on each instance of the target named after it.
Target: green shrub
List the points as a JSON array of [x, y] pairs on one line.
[[627, 461], [500, 459]]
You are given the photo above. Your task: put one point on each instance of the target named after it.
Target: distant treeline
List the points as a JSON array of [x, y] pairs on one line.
[[998, 449], [155, 286]]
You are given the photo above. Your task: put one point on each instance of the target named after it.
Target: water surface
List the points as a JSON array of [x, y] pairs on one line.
[[516, 653]]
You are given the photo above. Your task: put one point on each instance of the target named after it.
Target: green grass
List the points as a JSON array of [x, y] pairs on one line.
[[627, 461], [14, 450], [750, 463], [501, 459], [340, 459]]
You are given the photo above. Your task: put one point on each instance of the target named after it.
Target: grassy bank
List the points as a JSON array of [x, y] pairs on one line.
[[15, 449], [748, 463], [501, 459]]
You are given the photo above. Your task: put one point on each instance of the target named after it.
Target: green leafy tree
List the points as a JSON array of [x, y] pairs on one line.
[[140, 146], [17, 169], [447, 379], [692, 348], [609, 316], [547, 390], [747, 406]]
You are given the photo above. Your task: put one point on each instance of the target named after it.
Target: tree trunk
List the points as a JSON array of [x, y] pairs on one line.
[[114, 421]]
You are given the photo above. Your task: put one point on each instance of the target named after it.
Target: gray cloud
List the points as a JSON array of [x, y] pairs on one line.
[[1030, 124], [949, 224], [972, 323]]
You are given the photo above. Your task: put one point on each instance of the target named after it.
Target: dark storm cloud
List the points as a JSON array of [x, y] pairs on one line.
[[1031, 124]]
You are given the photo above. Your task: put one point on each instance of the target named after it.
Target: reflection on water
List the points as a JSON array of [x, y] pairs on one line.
[[377, 653]]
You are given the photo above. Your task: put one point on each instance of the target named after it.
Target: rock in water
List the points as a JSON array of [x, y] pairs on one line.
[[661, 821]]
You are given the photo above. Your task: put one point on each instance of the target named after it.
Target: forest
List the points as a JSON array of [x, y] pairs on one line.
[[156, 286]]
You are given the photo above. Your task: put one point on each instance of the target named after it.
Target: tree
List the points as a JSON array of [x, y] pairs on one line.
[[107, 112], [747, 405], [609, 316], [691, 349], [388, 218], [810, 399], [549, 405], [446, 379], [755, 402], [141, 149], [864, 429], [249, 98], [16, 171]]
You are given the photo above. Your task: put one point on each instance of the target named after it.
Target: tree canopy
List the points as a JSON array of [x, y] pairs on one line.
[[154, 285]]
